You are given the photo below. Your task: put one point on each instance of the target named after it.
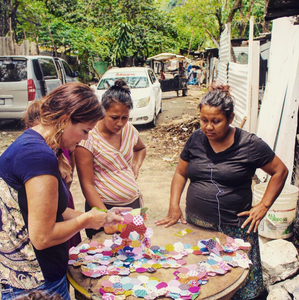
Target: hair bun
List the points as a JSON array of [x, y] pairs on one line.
[[122, 84]]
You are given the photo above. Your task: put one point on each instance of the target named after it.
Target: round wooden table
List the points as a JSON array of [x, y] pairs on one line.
[[218, 287]]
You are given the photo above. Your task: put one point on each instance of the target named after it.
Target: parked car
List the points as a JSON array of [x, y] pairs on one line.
[[65, 72], [26, 78], [145, 91]]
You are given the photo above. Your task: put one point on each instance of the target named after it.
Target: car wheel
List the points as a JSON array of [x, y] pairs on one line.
[[153, 123]]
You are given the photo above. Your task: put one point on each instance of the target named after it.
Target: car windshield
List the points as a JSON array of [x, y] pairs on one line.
[[134, 82], [13, 70]]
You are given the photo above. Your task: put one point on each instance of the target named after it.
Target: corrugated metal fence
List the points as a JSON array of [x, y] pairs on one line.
[[236, 75]]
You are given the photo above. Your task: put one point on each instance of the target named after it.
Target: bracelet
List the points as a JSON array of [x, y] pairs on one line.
[[99, 209]]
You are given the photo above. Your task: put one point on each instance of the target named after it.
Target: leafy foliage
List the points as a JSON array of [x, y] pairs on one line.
[[205, 19], [115, 29]]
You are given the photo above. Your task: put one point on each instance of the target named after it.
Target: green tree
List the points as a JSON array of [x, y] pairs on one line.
[[122, 43], [202, 21], [113, 29]]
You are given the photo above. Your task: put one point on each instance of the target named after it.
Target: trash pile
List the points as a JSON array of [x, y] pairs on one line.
[[168, 140]]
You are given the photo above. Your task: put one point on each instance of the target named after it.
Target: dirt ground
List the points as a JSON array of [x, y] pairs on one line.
[[164, 144]]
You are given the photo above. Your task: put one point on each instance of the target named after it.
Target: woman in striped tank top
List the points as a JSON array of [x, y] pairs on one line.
[[108, 162]]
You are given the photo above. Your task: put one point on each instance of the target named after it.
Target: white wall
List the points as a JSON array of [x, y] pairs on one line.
[[243, 79], [278, 114]]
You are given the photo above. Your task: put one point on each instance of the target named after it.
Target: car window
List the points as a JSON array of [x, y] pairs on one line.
[[37, 70], [13, 70], [67, 68], [133, 82], [59, 70], [152, 76], [48, 68]]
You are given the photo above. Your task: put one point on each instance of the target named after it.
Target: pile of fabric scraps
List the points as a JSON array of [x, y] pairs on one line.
[[116, 287], [131, 251]]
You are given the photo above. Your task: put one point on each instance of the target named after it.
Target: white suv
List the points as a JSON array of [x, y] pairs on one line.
[[26, 78]]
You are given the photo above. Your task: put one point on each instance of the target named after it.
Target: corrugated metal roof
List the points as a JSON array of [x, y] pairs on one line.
[[281, 8]]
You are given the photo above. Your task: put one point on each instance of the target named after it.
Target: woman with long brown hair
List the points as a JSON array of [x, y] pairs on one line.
[[35, 222]]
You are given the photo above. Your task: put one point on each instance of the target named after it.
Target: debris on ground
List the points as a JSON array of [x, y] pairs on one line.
[[168, 140]]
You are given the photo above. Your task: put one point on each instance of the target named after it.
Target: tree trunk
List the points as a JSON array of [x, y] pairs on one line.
[[54, 47], [212, 37], [248, 17], [37, 45], [265, 23], [190, 44], [13, 16], [233, 11], [4, 13]]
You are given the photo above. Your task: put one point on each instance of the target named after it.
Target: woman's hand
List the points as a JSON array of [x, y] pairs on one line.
[[278, 172], [174, 214], [114, 216], [255, 215], [111, 230], [177, 186], [135, 169], [138, 156], [100, 219]]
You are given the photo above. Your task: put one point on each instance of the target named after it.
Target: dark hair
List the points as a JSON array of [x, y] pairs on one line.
[[118, 93], [219, 96]]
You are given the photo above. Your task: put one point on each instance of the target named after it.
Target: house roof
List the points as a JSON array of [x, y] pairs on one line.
[[282, 8]]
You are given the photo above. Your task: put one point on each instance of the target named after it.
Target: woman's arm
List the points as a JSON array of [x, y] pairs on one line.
[[278, 172], [44, 231], [84, 164], [138, 157], [177, 186]]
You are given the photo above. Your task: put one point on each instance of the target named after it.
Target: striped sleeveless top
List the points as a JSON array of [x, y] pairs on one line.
[[113, 175]]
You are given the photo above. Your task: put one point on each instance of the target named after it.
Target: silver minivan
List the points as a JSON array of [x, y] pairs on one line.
[[26, 78]]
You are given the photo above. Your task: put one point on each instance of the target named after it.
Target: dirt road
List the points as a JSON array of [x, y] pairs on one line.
[[163, 148]]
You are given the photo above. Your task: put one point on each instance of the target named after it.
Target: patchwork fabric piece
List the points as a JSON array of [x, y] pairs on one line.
[[131, 251], [18, 263]]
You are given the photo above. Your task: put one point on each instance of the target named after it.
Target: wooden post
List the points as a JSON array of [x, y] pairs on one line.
[[26, 47], [11, 44], [253, 79]]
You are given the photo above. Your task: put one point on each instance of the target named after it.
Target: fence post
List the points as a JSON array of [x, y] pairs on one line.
[[33, 49], [26, 47]]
